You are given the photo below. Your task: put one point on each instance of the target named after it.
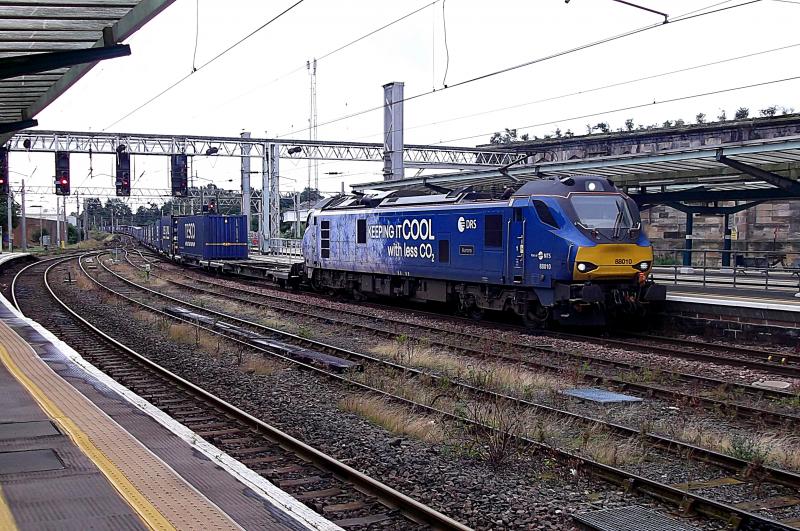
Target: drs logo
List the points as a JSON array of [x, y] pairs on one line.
[[189, 232], [467, 224]]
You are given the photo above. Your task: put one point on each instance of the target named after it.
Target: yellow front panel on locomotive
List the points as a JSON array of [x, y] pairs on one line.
[[607, 261]]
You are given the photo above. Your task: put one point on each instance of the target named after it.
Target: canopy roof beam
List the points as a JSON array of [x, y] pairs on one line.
[[42, 62], [772, 178]]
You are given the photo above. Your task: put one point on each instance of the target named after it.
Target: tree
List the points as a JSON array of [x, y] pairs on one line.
[[569, 133], [72, 234], [4, 215], [769, 111], [722, 116], [37, 236], [310, 195], [700, 118], [507, 137], [741, 113], [629, 124], [679, 122], [667, 123], [603, 127]]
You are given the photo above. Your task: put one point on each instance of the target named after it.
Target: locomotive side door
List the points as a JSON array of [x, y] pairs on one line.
[[515, 246]]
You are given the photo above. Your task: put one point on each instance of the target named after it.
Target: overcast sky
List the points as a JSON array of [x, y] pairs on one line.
[[262, 85]]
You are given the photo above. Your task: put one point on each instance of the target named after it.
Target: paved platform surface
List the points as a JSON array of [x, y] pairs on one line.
[[8, 257], [734, 297], [77, 453], [777, 290]]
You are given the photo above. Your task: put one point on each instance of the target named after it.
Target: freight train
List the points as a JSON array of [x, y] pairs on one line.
[[568, 250]]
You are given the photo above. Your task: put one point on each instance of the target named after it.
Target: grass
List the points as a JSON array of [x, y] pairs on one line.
[[395, 419], [771, 449], [261, 366], [192, 335], [498, 376], [81, 282], [601, 446]]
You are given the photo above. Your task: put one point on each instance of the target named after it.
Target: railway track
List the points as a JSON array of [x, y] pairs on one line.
[[600, 369], [785, 364], [348, 497], [661, 491]]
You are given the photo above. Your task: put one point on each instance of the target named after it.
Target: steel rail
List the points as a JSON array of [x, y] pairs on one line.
[[710, 403], [413, 509], [775, 475], [630, 481], [766, 366]]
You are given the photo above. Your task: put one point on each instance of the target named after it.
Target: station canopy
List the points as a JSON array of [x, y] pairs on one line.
[[47, 45], [750, 170]]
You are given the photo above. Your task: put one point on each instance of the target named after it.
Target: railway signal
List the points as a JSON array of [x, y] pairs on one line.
[[123, 174], [62, 173], [179, 175], [4, 185]]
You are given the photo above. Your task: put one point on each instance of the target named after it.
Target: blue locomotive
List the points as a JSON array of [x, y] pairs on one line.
[[570, 250]]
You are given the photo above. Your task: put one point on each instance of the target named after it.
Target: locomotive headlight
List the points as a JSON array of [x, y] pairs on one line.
[[582, 268], [644, 266], [585, 267]]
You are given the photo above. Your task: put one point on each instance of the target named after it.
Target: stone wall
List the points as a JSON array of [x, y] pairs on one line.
[[768, 227]]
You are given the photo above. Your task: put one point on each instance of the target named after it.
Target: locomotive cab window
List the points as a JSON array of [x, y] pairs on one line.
[[493, 231], [544, 213], [361, 231], [602, 211]]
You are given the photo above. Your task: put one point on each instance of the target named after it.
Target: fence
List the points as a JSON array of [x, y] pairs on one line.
[[284, 247], [762, 270]]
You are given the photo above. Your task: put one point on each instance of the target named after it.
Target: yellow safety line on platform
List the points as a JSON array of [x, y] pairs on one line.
[[6, 518], [146, 510]]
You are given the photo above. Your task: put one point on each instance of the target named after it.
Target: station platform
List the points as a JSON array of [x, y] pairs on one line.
[[10, 257], [754, 315], [735, 297], [79, 451]]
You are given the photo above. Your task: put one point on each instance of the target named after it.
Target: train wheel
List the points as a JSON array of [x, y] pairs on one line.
[[536, 315], [475, 313]]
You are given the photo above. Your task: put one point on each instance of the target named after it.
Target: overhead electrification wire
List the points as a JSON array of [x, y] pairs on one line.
[[446, 48], [196, 33], [631, 107], [681, 18], [330, 53], [373, 32], [216, 57], [596, 89]]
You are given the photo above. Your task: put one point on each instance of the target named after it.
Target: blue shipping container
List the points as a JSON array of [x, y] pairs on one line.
[[163, 236], [212, 237]]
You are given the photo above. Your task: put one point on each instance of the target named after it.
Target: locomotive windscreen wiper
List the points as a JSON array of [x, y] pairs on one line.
[[617, 221]]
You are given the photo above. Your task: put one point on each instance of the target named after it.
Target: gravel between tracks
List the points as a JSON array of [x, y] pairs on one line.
[[732, 374], [533, 494]]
